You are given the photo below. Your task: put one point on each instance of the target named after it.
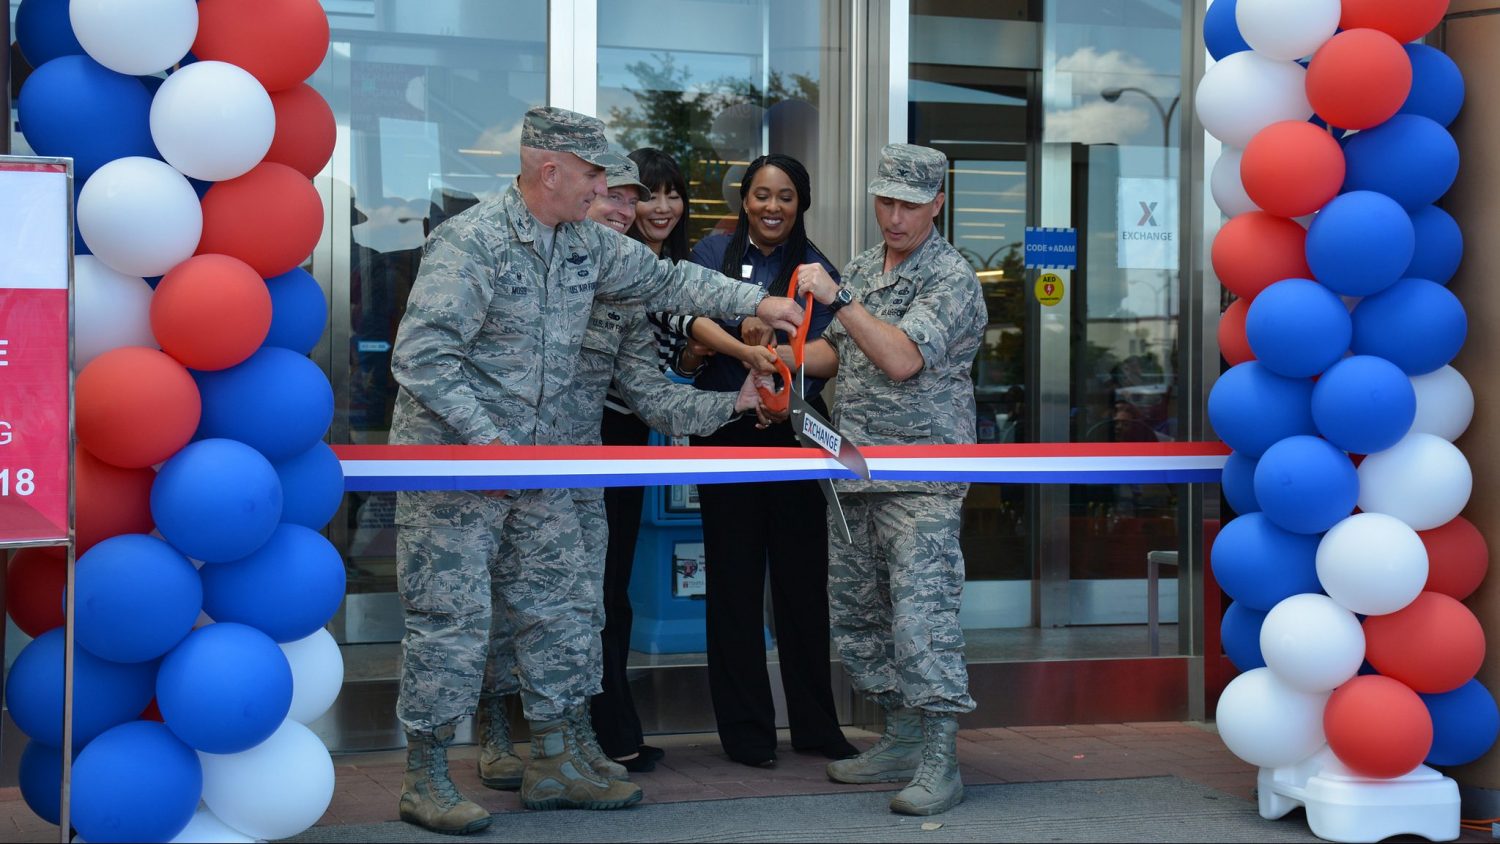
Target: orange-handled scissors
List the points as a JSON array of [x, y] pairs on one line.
[[777, 401]]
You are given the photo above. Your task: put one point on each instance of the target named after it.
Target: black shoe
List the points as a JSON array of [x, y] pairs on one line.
[[653, 753], [839, 748], [639, 763], [761, 760]]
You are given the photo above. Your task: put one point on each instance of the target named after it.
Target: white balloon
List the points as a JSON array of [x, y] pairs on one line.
[[212, 121], [1268, 723], [275, 789], [1372, 564], [1287, 29], [1245, 92], [317, 675], [1311, 643], [137, 38], [1423, 480], [1445, 404], [206, 828], [110, 310], [139, 216], [1228, 189]]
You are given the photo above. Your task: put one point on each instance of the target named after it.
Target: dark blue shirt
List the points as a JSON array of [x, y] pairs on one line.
[[722, 372]]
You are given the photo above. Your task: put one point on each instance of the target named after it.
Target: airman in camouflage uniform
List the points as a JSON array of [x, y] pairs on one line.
[[910, 318], [619, 346], [488, 352]]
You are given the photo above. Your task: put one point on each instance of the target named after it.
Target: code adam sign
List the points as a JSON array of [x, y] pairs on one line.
[[35, 434]]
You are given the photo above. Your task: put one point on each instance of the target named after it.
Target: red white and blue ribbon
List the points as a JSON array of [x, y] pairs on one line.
[[375, 468]]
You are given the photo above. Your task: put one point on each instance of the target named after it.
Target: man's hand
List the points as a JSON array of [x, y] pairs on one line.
[[754, 332], [780, 312], [764, 418], [748, 398], [814, 278]]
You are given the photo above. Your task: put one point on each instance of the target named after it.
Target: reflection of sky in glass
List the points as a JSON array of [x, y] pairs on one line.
[[1096, 46]]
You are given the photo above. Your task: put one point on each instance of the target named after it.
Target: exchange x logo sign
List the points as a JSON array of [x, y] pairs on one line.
[[1148, 215]]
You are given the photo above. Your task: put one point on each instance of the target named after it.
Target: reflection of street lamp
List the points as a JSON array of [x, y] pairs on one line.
[[1112, 95]]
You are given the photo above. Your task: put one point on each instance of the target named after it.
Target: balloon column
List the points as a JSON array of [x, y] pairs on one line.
[[203, 584], [1349, 560]]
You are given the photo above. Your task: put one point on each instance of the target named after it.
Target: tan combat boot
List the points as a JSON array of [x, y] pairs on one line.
[[894, 758], [588, 743], [937, 786], [428, 796], [499, 766], [560, 778]]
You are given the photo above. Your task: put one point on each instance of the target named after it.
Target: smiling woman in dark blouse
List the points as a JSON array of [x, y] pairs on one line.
[[748, 527]]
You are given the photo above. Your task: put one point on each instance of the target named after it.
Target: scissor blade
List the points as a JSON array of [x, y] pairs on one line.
[[813, 430], [836, 509]]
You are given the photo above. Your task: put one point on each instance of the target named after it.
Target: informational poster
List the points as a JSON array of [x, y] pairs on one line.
[[689, 576], [1050, 248], [1147, 223], [35, 430]]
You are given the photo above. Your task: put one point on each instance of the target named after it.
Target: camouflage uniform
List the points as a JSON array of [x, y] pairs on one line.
[[489, 350], [894, 591]]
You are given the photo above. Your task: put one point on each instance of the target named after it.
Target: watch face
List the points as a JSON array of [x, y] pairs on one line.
[[844, 297]]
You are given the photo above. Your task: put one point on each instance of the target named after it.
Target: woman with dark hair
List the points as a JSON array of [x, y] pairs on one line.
[[750, 527]]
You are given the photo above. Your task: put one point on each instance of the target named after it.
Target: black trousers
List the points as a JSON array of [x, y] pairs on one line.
[[615, 720], [746, 529]]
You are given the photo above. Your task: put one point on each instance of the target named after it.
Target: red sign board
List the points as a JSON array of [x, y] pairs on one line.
[[35, 434]]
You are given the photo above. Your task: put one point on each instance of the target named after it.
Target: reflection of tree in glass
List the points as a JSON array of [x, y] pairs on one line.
[[678, 118], [1002, 358]]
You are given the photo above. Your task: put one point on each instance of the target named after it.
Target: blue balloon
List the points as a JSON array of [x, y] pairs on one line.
[[136, 782], [1306, 485], [1298, 328], [1252, 407], [74, 106], [1260, 565], [104, 693], [1221, 32], [216, 500], [136, 597], [44, 32], [1418, 325], [1364, 404], [225, 689], [299, 313], [277, 401], [1437, 85], [1239, 633], [1360, 243], [41, 779], [288, 589], [1239, 483], [312, 487], [1465, 724], [1440, 245], [1410, 158]]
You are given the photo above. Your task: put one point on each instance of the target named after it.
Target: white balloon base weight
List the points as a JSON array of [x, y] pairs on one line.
[[1344, 806]]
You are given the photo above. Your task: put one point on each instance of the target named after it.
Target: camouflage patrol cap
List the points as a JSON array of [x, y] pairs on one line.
[[560, 130], [617, 175], [909, 173]]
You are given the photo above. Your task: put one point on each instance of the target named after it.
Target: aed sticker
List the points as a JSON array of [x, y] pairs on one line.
[[1049, 289]]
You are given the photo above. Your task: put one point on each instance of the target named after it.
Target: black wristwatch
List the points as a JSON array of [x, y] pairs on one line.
[[845, 296]]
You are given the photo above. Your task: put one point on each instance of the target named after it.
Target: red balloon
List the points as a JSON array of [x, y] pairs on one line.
[[1292, 168], [1358, 79], [270, 218], [1457, 558], [135, 407], [304, 130], [1257, 249], [109, 500], [1377, 726], [1233, 344], [1403, 20], [1434, 644], [34, 583], [211, 312], [280, 42]]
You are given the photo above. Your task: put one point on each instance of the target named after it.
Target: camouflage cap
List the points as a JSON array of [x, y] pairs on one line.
[[909, 173], [616, 175], [560, 130]]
